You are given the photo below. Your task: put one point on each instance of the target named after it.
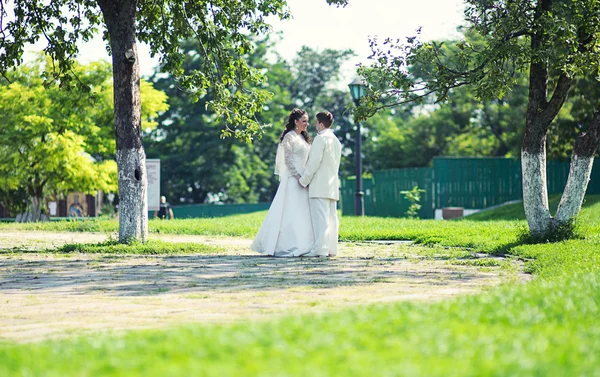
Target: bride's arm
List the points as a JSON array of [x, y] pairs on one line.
[[314, 160], [288, 154]]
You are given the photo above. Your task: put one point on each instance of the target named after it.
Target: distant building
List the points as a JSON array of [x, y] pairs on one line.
[[76, 204]]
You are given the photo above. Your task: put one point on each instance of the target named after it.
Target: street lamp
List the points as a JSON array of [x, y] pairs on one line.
[[357, 90]]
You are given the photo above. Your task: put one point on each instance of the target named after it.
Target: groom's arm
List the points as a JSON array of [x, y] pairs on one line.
[[314, 161]]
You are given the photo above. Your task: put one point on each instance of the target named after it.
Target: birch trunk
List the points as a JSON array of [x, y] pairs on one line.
[[572, 197], [582, 162], [119, 17], [540, 113], [535, 192]]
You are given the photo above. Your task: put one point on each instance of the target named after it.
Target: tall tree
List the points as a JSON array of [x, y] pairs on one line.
[[219, 26], [56, 141], [553, 41], [47, 136]]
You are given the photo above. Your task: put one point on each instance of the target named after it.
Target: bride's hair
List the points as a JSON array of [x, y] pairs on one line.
[[291, 124]]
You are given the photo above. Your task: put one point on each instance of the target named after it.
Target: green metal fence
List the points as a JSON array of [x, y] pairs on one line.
[[347, 195], [214, 210], [476, 182], [486, 181], [388, 184], [454, 182], [382, 192]]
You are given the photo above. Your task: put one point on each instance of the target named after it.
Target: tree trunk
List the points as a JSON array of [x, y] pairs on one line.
[[535, 192], [582, 162], [119, 17], [533, 150], [540, 113], [36, 211]]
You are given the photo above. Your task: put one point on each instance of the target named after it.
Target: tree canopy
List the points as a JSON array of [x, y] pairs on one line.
[[54, 141], [553, 43]]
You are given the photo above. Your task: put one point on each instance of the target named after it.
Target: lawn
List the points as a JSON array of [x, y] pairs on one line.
[[547, 327], [494, 231]]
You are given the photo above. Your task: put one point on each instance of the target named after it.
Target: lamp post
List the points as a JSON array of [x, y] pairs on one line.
[[357, 90]]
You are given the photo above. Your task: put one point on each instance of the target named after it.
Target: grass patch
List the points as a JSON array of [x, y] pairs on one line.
[[479, 262], [152, 247], [496, 231], [245, 225], [515, 211], [548, 327]]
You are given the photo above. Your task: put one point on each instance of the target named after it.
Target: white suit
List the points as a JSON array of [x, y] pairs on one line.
[[321, 177]]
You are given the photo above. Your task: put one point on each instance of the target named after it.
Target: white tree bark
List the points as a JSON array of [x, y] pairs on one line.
[[535, 192], [120, 16], [572, 197], [133, 194]]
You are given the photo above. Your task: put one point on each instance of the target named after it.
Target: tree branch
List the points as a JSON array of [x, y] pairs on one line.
[[479, 68], [561, 91], [587, 142], [416, 98], [515, 34]]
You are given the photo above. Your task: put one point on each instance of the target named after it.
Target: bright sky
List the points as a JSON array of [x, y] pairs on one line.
[[318, 25]]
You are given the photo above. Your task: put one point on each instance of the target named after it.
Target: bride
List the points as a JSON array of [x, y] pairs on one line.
[[287, 228]]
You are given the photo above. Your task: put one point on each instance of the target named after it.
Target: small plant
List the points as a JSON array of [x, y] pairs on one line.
[[414, 198]]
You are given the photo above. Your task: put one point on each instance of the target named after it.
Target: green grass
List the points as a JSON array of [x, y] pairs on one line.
[[547, 327], [238, 225], [152, 247], [496, 231], [515, 211]]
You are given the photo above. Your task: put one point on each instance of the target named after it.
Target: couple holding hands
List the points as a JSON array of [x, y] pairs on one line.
[[302, 220]]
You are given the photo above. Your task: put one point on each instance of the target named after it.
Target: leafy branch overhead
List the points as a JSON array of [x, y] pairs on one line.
[[221, 28], [413, 70]]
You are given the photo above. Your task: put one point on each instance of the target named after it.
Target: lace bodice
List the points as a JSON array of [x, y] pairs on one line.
[[295, 152]]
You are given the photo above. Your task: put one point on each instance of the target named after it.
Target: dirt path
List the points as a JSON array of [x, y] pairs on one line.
[[48, 295]]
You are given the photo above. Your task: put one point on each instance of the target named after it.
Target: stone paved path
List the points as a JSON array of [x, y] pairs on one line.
[[53, 295]]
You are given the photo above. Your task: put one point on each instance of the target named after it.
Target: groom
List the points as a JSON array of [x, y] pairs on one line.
[[321, 177]]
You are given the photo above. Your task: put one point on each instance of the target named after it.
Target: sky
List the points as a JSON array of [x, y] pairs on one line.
[[319, 26]]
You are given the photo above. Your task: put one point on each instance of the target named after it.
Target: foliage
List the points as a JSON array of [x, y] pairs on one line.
[[555, 42], [55, 141], [221, 31], [488, 59], [414, 197], [15, 201], [44, 143], [466, 125]]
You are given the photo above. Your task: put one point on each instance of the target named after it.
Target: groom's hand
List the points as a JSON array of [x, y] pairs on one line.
[[297, 176]]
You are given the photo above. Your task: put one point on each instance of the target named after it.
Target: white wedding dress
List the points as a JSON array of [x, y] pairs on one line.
[[287, 229]]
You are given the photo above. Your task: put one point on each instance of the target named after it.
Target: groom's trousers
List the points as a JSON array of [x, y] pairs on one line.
[[325, 226]]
